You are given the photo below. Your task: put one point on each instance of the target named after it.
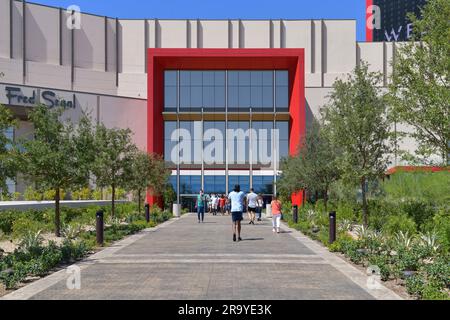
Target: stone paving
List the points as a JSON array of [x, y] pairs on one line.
[[183, 259]]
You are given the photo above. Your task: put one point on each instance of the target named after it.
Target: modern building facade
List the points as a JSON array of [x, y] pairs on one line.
[[394, 22], [222, 100]]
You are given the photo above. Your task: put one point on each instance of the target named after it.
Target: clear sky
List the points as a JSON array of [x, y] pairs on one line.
[[223, 9]]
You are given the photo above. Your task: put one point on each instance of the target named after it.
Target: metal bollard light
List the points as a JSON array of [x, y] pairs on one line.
[[99, 227], [295, 213], [332, 235], [147, 212]]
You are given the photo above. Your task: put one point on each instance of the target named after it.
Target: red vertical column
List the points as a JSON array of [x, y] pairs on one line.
[[297, 113], [155, 121], [369, 31]]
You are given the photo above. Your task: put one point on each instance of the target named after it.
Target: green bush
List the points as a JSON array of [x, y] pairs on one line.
[[419, 210], [441, 225], [6, 221], [382, 261], [396, 223], [431, 292], [23, 226], [415, 285]]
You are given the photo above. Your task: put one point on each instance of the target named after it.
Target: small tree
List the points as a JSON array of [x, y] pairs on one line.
[[113, 159], [356, 121], [148, 171], [314, 167], [57, 158], [420, 85], [7, 164]]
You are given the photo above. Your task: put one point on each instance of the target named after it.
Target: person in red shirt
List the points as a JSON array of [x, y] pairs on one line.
[[276, 214], [222, 204]]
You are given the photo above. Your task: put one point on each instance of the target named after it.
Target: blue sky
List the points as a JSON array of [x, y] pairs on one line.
[[224, 9]]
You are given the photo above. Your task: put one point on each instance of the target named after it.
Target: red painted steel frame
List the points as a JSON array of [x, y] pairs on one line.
[[369, 32], [224, 59]]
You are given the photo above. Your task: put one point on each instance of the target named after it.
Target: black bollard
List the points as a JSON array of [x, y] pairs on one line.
[[295, 213], [332, 236], [99, 227], [147, 212]]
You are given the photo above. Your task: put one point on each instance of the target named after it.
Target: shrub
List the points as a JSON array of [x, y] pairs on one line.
[[31, 194], [431, 292], [32, 242], [438, 272], [345, 211], [382, 261], [440, 224], [97, 194], [22, 226], [401, 222], [420, 211], [415, 285], [6, 221]]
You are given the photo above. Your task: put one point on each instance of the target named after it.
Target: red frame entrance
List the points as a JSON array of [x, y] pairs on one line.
[[224, 59]]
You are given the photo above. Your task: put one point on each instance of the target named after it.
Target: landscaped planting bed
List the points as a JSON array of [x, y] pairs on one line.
[[34, 252]]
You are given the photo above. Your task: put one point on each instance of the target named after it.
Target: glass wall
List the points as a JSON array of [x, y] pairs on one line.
[[190, 90], [204, 143]]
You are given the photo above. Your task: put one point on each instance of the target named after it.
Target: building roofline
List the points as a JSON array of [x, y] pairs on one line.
[[184, 19]]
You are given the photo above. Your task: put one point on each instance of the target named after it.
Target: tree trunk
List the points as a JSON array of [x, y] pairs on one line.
[[139, 201], [364, 201], [57, 214], [113, 196]]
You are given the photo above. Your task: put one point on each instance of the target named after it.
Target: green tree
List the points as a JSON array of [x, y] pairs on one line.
[[314, 167], [356, 121], [148, 172], [419, 90], [113, 160], [7, 164], [57, 158]]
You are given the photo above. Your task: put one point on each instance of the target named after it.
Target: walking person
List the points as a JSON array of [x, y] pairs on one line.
[[252, 205], [236, 198], [222, 204], [259, 207], [201, 206], [276, 214]]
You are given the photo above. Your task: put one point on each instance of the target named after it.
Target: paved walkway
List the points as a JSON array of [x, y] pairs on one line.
[[182, 259]]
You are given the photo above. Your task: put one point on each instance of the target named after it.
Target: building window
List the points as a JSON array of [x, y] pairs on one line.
[[281, 91], [192, 90], [263, 184], [170, 91]]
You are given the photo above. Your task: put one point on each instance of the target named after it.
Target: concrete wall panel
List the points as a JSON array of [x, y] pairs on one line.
[[213, 34], [42, 34], [131, 46], [90, 43], [4, 29]]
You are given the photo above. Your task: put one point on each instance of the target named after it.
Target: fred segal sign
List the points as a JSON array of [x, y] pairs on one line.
[[28, 97]]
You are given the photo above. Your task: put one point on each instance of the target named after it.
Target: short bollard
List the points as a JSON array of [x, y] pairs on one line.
[[295, 213], [99, 227], [147, 212], [332, 236]]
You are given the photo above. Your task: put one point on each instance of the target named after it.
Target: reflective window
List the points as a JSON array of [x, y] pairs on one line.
[[206, 89], [283, 138], [215, 184], [238, 135], [170, 142], [263, 184], [202, 89], [214, 143], [250, 89], [170, 91], [243, 181], [190, 184], [282, 90]]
